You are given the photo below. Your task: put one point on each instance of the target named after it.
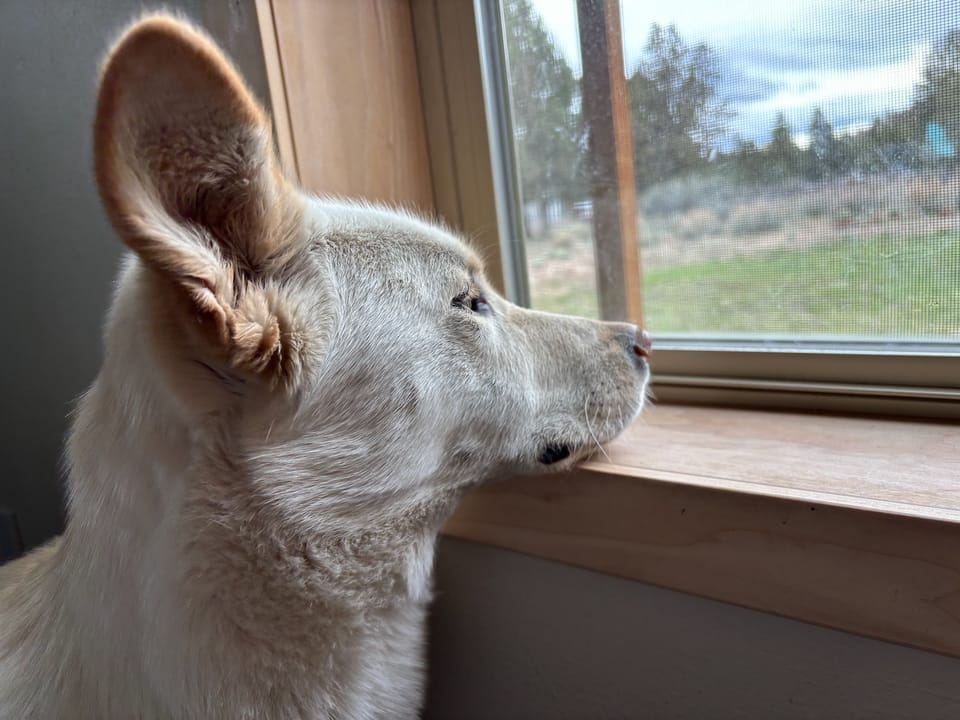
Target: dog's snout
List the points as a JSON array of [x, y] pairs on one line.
[[643, 345], [635, 341]]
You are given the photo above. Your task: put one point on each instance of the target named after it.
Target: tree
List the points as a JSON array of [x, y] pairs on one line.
[[782, 154], [747, 162], [938, 96], [547, 125], [822, 157], [676, 115]]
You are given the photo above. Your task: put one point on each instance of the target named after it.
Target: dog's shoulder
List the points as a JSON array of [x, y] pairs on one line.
[[32, 566]]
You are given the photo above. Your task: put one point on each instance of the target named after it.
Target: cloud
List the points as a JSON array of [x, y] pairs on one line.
[[856, 59], [848, 97]]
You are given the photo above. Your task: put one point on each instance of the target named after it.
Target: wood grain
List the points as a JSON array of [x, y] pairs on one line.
[[455, 114], [350, 76], [606, 112], [912, 463], [279, 109], [849, 523]]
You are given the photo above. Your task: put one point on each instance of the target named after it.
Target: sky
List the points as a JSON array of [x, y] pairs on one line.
[[856, 59]]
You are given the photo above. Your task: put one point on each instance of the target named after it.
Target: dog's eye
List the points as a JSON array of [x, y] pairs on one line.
[[479, 305], [474, 302]]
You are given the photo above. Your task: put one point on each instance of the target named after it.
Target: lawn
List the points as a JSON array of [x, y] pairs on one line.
[[885, 286]]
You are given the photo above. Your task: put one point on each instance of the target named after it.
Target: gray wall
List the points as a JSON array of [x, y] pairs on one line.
[[59, 253], [517, 637]]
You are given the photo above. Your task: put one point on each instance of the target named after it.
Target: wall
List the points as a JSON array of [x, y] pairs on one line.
[[518, 637], [353, 99], [59, 253]]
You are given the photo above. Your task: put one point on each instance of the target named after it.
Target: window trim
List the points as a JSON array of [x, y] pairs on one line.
[[883, 564], [611, 517], [614, 517], [502, 152], [918, 379]]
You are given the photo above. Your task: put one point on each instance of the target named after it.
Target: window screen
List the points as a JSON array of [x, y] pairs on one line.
[[797, 165]]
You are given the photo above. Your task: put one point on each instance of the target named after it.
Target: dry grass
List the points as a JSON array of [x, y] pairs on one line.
[[707, 224]]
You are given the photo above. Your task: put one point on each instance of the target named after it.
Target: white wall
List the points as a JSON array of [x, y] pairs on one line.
[[518, 637]]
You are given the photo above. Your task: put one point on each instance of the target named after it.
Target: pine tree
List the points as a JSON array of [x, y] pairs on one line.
[[938, 96], [676, 114], [544, 95], [822, 156], [782, 154]]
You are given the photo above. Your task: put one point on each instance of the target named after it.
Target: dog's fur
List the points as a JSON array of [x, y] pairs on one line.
[[295, 394]]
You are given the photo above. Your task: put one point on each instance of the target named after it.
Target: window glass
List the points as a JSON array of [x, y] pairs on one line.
[[797, 165]]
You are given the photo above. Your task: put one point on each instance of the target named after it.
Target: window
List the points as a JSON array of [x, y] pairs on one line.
[[786, 176], [693, 498]]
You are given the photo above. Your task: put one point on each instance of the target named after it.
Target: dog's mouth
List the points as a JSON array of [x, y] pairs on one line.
[[554, 454], [573, 451], [558, 452]]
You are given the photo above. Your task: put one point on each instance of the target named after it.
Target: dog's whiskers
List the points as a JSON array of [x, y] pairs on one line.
[[586, 418]]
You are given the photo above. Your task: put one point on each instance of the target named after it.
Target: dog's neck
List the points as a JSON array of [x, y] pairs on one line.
[[137, 477], [188, 580]]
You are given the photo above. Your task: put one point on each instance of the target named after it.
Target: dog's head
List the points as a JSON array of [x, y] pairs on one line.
[[340, 350]]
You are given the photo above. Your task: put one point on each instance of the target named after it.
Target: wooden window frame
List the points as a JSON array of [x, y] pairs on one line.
[[755, 540], [728, 515], [818, 518]]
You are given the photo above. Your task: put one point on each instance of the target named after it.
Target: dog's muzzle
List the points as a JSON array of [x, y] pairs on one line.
[[554, 454]]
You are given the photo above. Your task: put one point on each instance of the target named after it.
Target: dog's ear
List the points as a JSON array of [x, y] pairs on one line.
[[186, 169]]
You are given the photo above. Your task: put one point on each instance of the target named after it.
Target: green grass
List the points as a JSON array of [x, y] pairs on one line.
[[885, 286], [571, 300]]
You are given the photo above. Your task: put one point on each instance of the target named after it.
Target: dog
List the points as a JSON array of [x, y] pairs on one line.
[[296, 391]]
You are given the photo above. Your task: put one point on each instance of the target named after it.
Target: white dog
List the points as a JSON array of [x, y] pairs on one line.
[[295, 394]]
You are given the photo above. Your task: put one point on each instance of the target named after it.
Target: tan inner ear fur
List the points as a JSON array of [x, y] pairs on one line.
[[187, 172]]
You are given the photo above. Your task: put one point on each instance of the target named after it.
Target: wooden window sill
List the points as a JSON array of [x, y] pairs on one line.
[[853, 523]]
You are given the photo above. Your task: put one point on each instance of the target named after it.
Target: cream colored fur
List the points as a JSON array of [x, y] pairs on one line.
[[295, 393]]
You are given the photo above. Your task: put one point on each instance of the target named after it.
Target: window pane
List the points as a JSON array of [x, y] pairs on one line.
[[797, 165], [544, 79]]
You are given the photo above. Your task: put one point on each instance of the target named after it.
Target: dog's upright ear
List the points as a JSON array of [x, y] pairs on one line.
[[187, 171]]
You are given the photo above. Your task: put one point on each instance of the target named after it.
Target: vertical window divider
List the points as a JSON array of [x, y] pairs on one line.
[[610, 169]]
